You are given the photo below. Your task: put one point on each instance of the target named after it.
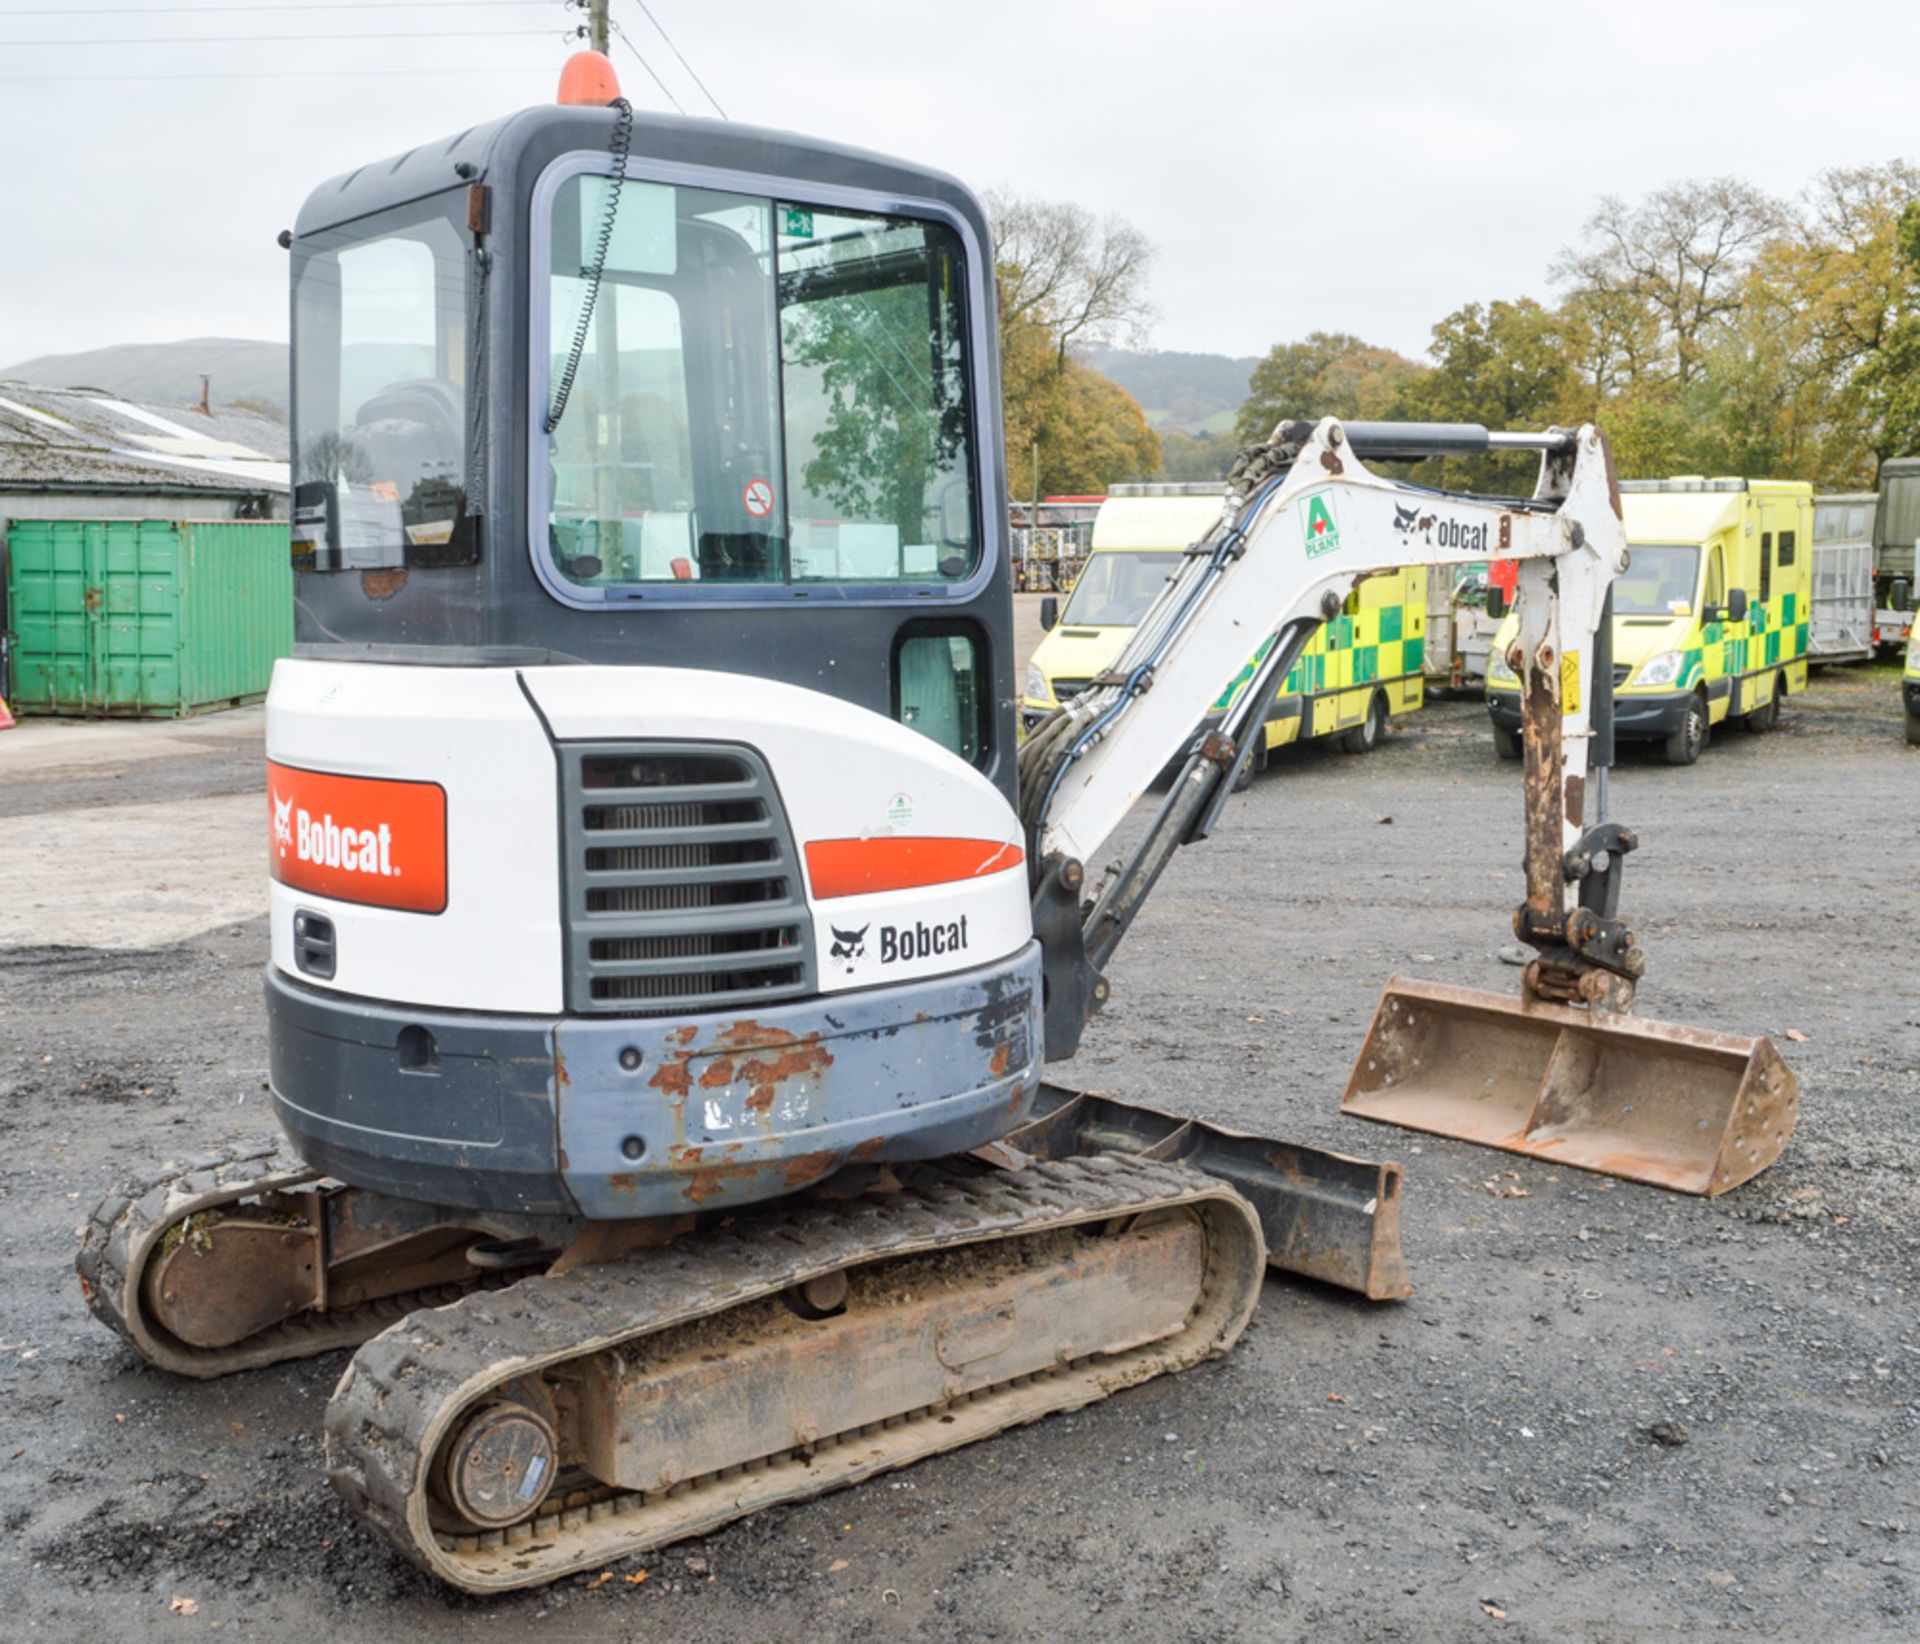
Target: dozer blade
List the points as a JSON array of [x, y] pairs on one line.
[[1656, 1102], [1325, 1216]]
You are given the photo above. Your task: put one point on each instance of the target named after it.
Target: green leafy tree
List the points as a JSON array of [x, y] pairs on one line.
[[1887, 382], [1186, 456], [1505, 365], [1326, 374]]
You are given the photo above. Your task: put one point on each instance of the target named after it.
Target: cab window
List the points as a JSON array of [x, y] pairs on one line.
[[380, 392], [939, 687], [761, 392]]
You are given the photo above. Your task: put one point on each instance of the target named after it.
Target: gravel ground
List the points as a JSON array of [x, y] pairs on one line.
[[1610, 1413]]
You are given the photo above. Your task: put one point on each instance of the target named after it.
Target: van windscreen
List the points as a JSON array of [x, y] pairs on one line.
[[1115, 590], [1659, 578]]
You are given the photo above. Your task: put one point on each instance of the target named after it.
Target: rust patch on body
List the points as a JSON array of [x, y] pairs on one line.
[[683, 1035], [1576, 800], [808, 1167], [867, 1149], [674, 1080], [1002, 1054], [382, 584], [706, 1180], [560, 1070], [765, 1058], [719, 1072]]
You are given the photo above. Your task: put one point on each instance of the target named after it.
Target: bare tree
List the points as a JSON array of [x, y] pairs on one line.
[[1082, 278], [1681, 256]]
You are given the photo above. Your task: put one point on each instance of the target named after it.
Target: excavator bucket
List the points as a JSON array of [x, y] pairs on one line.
[[1678, 1107]]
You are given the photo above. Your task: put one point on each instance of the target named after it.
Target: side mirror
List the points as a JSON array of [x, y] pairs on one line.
[[1737, 605], [1901, 594], [1496, 601], [1049, 613]]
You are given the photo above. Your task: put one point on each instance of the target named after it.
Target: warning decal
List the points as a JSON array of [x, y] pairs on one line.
[[756, 496]]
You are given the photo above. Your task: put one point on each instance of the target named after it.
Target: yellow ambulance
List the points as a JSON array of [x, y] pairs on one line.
[[1362, 666], [1709, 620]]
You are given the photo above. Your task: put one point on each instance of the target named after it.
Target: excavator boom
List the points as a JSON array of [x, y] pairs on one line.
[[1304, 522]]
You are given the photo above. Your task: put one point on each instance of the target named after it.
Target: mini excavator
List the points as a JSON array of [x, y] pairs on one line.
[[669, 931]]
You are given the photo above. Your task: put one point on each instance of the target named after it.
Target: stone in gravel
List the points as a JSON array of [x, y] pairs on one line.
[[1669, 1435]]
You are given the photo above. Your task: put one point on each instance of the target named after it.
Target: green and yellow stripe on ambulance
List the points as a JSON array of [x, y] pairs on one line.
[[1772, 636], [1357, 669]]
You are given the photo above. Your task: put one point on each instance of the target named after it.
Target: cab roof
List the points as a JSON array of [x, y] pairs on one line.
[[482, 152]]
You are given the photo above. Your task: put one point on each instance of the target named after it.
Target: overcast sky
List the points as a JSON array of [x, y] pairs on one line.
[[1363, 167]]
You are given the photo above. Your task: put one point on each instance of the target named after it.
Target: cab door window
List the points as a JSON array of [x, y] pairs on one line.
[[940, 688], [1716, 593]]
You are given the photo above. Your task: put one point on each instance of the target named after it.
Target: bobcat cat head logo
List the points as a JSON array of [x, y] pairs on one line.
[[1405, 519], [282, 822], [849, 944]]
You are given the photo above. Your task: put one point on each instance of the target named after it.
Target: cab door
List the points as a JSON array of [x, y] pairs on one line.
[[1715, 637], [1794, 567]]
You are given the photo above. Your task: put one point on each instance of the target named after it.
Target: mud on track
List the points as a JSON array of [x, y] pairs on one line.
[[1350, 1471]]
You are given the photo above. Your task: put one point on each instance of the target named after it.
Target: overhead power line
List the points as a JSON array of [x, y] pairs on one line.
[[256, 74], [665, 90], [268, 11], [273, 39], [662, 30]]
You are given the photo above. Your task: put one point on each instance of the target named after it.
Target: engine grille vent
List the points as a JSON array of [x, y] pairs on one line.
[[1620, 672], [683, 886], [1065, 689]]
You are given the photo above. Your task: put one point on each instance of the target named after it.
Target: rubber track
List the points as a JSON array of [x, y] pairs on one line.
[[405, 1390], [128, 1225]]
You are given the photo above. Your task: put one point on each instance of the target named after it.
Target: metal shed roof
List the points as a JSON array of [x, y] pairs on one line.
[[84, 439]]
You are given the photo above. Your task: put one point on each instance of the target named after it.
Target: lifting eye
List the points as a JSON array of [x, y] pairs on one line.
[[416, 1051]]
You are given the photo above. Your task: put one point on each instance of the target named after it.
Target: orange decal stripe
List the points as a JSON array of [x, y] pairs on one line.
[[856, 867]]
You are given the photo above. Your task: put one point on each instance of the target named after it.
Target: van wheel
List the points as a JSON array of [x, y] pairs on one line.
[[1683, 747], [1365, 736], [1506, 743], [1256, 763], [1764, 719], [1913, 730]]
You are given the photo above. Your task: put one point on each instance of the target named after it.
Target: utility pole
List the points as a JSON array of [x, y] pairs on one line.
[[597, 26]]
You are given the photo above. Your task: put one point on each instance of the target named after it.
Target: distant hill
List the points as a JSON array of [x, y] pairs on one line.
[[1180, 393], [241, 370], [1184, 393]]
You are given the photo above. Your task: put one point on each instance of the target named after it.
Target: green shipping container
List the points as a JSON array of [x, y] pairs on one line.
[[143, 616]]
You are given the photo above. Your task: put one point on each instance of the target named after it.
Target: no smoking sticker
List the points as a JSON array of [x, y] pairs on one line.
[[756, 496]]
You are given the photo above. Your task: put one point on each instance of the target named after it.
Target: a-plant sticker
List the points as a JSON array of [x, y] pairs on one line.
[[1321, 532]]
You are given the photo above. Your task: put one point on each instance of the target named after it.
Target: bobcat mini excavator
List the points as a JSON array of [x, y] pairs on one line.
[[668, 933]]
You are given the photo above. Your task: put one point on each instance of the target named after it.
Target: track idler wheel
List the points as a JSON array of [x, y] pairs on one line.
[[498, 1468]]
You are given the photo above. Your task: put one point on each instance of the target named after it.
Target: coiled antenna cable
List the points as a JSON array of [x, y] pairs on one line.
[[622, 140]]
